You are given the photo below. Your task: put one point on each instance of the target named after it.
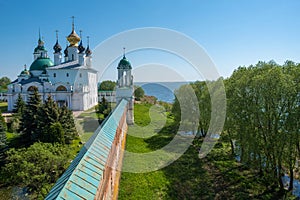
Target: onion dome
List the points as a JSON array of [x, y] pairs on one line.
[[40, 64], [73, 38], [25, 72], [40, 46], [66, 51], [81, 47], [88, 52], [57, 48], [124, 64]]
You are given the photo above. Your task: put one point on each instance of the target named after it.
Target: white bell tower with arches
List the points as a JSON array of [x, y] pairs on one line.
[[125, 89]]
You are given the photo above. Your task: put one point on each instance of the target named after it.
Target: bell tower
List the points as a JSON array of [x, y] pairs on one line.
[[125, 87]]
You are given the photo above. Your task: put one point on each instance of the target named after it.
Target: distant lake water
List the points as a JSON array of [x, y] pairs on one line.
[[163, 91]]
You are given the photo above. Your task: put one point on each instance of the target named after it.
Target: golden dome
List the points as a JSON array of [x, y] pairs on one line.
[[73, 38]]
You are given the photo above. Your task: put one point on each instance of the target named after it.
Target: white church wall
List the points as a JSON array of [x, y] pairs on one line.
[[77, 102], [61, 75]]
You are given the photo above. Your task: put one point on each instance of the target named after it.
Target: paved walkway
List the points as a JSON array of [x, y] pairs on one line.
[[77, 113]]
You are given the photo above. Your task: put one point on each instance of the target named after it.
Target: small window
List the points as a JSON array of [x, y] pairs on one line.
[[54, 75], [80, 75], [67, 74]]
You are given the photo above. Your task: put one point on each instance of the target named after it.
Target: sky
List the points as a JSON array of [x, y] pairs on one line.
[[233, 33]]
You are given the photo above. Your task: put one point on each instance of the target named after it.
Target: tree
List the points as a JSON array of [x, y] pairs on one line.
[[46, 122], [17, 114], [103, 109], [29, 122], [262, 117], [36, 167], [138, 93], [107, 85], [2, 131], [19, 106], [185, 109], [48, 115], [56, 133], [66, 119], [202, 93], [4, 81], [55, 124]]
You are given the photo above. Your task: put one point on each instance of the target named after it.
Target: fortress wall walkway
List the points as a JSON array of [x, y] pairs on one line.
[[95, 172]]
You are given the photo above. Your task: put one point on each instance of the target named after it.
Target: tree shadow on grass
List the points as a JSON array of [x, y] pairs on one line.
[[90, 124], [162, 138], [217, 176], [187, 177]]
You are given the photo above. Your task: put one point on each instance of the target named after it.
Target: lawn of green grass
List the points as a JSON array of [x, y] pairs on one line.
[[141, 185], [217, 176], [3, 106], [87, 123], [168, 182]]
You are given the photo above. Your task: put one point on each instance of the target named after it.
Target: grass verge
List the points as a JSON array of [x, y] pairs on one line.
[[217, 176], [3, 106]]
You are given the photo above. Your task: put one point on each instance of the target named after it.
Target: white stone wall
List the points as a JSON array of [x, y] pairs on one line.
[[72, 53]]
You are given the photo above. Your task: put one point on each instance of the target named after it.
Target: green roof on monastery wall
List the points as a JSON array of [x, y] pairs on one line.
[[82, 179]]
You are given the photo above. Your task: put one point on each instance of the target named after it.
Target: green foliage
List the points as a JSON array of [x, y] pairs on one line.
[[46, 122], [15, 124], [36, 167], [56, 133], [218, 176], [138, 93], [18, 111], [66, 119], [107, 86], [168, 106], [2, 131], [103, 109], [263, 117], [4, 81], [29, 123], [187, 97], [19, 106], [48, 116]]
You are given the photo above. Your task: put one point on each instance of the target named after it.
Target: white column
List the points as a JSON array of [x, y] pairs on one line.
[[10, 103], [70, 102]]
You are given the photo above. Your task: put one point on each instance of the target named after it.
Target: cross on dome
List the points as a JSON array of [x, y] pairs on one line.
[[73, 38]]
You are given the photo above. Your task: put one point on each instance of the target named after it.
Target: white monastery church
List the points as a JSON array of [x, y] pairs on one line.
[[70, 81]]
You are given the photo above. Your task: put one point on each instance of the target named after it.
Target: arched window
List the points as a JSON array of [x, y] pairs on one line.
[[67, 74], [32, 88], [61, 88]]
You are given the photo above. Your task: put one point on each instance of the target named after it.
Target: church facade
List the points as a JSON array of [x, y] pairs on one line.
[[71, 81]]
